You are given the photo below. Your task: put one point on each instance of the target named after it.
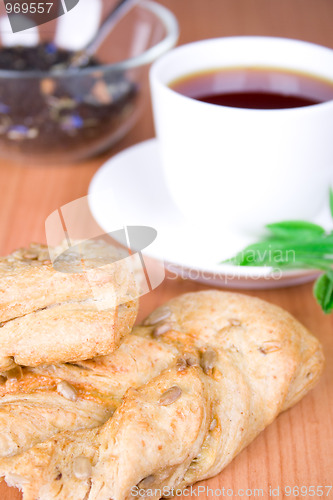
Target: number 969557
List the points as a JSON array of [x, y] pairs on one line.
[[308, 491], [28, 8]]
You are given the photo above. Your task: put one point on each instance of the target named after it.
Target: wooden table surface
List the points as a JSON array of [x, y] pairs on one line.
[[297, 449]]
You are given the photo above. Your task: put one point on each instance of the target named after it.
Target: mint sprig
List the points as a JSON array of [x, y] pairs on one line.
[[296, 245]]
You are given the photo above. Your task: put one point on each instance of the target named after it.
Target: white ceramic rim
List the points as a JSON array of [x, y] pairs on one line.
[[166, 62], [262, 275]]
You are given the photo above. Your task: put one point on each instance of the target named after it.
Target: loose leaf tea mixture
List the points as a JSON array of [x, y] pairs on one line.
[[59, 111]]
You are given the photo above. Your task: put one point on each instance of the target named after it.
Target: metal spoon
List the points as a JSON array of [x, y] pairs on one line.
[[82, 57]]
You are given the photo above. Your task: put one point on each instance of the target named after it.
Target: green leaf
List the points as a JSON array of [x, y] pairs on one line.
[[275, 252], [295, 245], [323, 291], [306, 261], [295, 229]]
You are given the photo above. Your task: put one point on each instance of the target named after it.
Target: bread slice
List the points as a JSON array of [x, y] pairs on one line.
[[77, 308]]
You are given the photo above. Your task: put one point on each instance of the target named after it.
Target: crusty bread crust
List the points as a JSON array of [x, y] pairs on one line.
[[31, 409], [232, 364], [51, 316]]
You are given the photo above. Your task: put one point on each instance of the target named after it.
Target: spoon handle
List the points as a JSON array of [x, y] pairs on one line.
[[119, 11]]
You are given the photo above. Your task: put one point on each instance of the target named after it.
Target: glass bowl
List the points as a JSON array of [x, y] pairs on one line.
[[72, 114]]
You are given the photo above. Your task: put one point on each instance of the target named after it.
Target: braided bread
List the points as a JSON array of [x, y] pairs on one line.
[[192, 386], [76, 312]]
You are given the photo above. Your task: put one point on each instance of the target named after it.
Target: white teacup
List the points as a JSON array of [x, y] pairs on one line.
[[244, 168]]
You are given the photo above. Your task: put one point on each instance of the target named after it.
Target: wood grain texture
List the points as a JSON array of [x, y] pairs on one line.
[[297, 449]]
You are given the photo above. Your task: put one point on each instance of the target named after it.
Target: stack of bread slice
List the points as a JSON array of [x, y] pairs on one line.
[[91, 409]]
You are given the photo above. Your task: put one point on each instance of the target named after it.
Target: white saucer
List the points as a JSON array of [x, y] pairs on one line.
[[129, 190]]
